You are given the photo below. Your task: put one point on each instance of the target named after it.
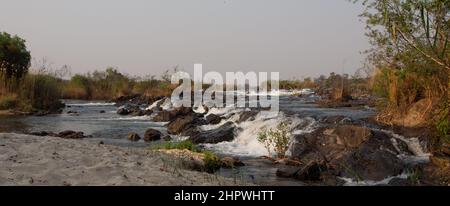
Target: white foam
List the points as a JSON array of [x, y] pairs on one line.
[[419, 155], [351, 182], [246, 142], [154, 105]]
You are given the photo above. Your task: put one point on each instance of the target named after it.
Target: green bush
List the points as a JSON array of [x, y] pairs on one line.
[[277, 139], [212, 162]]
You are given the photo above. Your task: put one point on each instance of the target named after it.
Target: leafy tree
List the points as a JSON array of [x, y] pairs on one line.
[[14, 56]]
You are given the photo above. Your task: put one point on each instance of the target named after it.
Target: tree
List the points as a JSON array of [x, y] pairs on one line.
[[415, 27], [14, 57], [410, 40]]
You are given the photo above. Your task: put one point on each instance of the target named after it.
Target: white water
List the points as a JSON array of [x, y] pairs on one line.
[[419, 155], [351, 182], [246, 142], [151, 107]]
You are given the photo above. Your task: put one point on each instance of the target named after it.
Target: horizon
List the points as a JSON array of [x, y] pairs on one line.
[[297, 38]]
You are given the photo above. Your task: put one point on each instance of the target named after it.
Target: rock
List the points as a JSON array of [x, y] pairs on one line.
[[133, 137], [123, 111], [152, 135], [129, 109], [72, 112], [102, 111], [231, 162], [167, 138], [373, 160], [68, 134], [213, 119], [287, 172], [165, 116], [247, 116], [352, 151], [180, 124], [331, 143], [222, 134], [311, 172]]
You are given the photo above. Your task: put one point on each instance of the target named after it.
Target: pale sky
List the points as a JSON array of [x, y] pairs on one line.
[[294, 37]]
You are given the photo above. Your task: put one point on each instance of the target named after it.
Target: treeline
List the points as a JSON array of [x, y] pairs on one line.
[[335, 87], [41, 88], [111, 84]]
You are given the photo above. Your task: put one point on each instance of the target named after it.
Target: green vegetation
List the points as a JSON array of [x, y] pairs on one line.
[[277, 139], [111, 84], [411, 55], [178, 145], [212, 162], [19, 89]]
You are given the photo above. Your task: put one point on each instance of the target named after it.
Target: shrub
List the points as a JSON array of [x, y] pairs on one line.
[[277, 139], [212, 162], [8, 102], [42, 91]]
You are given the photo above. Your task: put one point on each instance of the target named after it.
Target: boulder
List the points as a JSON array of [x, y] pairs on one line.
[[181, 124], [352, 151], [213, 119], [152, 135], [312, 172], [129, 109], [222, 134], [247, 116], [132, 136]]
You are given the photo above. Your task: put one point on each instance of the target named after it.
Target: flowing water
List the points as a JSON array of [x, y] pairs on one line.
[[100, 120]]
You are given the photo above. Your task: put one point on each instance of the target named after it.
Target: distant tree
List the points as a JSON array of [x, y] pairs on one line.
[[14, 57]]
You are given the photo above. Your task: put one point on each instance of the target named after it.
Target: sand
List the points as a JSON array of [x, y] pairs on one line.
[[33, 160]]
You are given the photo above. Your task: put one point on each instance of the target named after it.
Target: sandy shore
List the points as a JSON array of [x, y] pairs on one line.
[[33, 160]]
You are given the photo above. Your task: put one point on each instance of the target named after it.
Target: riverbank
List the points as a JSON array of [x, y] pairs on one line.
[[34, 160]]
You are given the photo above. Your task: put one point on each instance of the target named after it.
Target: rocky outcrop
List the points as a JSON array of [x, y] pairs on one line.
[[349, 151], [224, 133], [167, 116], [152, 135], [183, 125]]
